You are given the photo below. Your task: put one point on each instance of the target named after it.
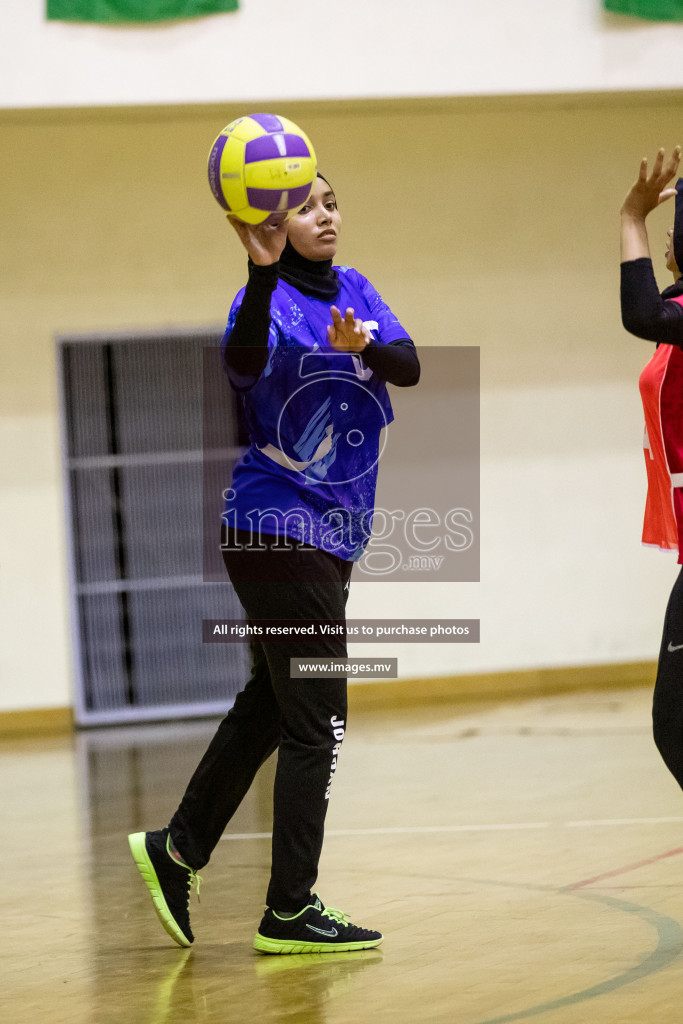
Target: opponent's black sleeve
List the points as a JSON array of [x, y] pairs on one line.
[[245, 348], [396, 362], [643, 310]]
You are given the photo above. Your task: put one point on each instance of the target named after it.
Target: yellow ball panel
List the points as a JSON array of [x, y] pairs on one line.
[[251, 216], [286, 172], [232, 173], [244, 128]]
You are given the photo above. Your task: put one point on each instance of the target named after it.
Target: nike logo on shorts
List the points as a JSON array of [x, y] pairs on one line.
[[672, 648]]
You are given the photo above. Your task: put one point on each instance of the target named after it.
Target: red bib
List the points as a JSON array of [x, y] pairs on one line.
[[661, 390]]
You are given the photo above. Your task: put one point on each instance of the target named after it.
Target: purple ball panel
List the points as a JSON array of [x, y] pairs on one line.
[[266, 148], [299, 195], [296, 146], [215, 170], [269, 122], [264, 198], [263, 148], [275, 218]]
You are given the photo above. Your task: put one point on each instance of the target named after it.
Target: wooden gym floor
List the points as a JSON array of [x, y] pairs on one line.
[[524, 861]]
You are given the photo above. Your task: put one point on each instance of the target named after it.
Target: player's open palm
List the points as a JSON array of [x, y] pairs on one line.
[[649, 190], [347, 333], [263, 242]]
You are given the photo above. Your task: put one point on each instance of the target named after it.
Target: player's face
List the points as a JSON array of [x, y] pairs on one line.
[[314, 230], [669, 254]]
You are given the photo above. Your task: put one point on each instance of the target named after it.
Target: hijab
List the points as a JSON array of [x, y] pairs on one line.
[[315, 278]]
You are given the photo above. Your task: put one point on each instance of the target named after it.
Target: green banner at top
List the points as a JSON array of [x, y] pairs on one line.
[[118, 11], [650, 10]]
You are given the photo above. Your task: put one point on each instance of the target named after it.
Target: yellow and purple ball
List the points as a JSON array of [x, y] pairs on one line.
[[261, 167]]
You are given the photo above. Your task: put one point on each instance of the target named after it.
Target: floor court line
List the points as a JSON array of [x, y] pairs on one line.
[[405, 830], [589, 823], [623, 870], [495, 827], [668, 949]]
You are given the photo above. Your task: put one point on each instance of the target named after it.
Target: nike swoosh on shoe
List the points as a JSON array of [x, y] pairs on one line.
[[320, 931]]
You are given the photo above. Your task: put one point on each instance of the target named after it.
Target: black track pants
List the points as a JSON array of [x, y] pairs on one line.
[[667, 708], [303, 718]]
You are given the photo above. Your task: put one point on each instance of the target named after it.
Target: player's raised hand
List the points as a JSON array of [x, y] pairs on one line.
[[649, 190], [348, 334], [263, 242]]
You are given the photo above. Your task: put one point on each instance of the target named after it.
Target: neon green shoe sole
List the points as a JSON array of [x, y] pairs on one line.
[[265, 945], [167, 881]]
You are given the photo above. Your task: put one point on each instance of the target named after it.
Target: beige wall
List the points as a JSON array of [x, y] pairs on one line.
[[489, 223]]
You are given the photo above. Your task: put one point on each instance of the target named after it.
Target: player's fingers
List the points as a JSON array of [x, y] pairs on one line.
[[642, 174], [666, 172], [668, 193], [657, 165], [244, 231], [349, 316], [336, 316], [672, 164]]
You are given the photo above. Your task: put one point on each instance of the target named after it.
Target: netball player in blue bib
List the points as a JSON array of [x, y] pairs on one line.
[[310, 348]]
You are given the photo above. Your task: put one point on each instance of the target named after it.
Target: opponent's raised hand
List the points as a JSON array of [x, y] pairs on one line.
[[649, 190], [263, 242], [347, 334]]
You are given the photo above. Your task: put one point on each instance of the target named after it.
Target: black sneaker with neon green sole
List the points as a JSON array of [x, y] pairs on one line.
[[168, 880], [315, 929]]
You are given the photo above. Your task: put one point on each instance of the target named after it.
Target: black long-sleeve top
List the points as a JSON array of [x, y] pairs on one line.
[[246, 347], [646, 313]]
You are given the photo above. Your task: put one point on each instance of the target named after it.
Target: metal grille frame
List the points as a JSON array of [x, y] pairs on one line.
[[135, 417]]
